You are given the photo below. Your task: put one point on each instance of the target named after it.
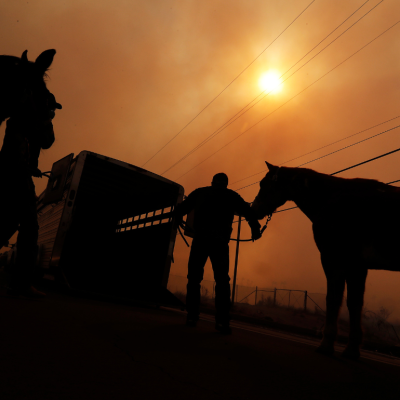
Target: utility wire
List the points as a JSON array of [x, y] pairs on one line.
[[350, 145], [336, 151], [307, 87], [226, 87], [362, 5], [342, 170], [292, 208], [248, 106]]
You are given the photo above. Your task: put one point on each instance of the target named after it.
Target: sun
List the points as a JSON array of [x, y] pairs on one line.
[[270, 82]]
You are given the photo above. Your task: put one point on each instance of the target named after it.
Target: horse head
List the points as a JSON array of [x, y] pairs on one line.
[[24, 90], [272, 194]]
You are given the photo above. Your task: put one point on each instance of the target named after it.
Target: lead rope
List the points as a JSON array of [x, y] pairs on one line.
[[266, 223], [233, 239], [262, 231]]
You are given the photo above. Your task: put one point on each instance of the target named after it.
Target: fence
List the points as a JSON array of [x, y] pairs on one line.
[[375, 324], [300, 299]]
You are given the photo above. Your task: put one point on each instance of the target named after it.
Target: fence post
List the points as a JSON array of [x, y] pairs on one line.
[[289, 298], [305, 300], [236, 261], [255, 302], [274, 296]]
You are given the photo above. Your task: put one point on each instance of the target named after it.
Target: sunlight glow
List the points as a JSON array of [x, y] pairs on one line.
[[270, 82]]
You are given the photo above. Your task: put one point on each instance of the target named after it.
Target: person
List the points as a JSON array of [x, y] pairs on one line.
[[214, 208], [19, 157]]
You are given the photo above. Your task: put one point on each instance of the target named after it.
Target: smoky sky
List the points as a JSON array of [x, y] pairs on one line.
[[131, 74]]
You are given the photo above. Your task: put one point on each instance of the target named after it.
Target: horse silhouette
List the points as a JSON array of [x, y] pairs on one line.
[[30, 107], [22, 82], [356, 228]]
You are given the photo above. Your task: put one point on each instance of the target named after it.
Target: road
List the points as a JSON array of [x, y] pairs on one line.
[[66, 347]]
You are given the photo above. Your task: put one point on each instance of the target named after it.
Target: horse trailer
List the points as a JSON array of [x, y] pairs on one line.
[[107, 227]]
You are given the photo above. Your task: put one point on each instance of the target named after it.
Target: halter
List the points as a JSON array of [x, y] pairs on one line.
[[33, 124], [275, 176]]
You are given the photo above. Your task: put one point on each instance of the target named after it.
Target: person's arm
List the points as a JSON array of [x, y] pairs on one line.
[[186, 206], [243, 208]]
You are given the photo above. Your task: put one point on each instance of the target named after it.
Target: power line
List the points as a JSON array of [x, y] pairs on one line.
[[342, 170], [292, 208], [367, 161], [350, 145], [226, 87], [362, 5], [330, 144], [241, 112], [307, 87]]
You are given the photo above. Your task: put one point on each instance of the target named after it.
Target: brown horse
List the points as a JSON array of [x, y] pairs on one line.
[[356, 228]]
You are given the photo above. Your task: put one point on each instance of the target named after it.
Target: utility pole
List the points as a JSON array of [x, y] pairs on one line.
[[305, 300], [236, 260]]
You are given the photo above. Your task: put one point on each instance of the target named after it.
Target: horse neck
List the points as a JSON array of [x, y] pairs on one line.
[[309, 206], [310, 197]]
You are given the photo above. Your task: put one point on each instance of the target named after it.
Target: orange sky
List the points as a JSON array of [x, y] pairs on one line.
[[131, 74]]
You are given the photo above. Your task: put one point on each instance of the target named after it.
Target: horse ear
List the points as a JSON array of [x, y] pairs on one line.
[[271, 167], [44, 60], [24, 57]]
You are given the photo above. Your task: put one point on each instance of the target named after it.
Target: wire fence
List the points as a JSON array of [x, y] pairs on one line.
[[290, 298], [375, 323]]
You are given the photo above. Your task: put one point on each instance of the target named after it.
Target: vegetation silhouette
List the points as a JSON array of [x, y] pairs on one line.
[[355, 226]]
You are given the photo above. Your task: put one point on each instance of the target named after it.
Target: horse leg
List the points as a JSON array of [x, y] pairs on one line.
[[355, 300], [334, 297]]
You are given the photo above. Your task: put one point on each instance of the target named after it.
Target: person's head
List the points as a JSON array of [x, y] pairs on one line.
[[220, 180]]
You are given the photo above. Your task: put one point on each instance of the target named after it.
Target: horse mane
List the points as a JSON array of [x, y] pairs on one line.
[[8, 61], [325, 182]]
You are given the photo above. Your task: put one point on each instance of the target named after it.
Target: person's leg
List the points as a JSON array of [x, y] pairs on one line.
[[197, 259], [219, 255], [8, 226], [26, 247], [9, 214]]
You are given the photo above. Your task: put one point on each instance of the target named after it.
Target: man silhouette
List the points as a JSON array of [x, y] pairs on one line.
[[214, 209], [27, 133]]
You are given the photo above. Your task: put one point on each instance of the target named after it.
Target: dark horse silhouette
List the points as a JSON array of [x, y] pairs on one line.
[[30, 108], [356, 228], [22, 82]]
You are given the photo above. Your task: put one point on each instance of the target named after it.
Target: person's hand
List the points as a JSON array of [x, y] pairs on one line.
[[178, 218], [37, 173]]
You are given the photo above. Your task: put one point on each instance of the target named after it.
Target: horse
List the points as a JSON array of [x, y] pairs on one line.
[[355, 224], [30, 108], [22, 82]]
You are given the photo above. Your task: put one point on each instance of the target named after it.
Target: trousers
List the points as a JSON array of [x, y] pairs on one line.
[[218, 252], [18, 211]]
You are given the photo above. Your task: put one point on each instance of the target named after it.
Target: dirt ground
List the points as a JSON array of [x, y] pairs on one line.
[[68, 347]]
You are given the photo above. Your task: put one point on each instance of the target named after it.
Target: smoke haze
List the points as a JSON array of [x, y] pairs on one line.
[[131, 74]]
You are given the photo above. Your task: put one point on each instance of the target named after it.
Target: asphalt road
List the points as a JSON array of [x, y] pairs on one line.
[[71, 348]]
